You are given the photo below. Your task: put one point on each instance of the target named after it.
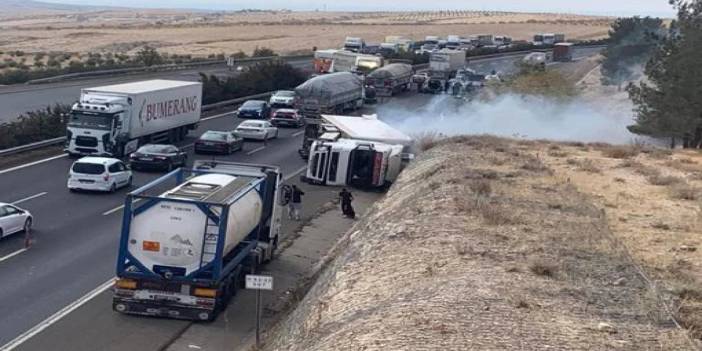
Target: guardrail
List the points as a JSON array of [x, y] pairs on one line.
[[59, 140], [160, 68], [236, 101]]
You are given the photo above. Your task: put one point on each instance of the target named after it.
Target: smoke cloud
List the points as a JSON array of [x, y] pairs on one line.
[[509, 115]]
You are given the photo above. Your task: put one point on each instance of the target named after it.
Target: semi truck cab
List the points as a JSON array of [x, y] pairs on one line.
[[94, 125]]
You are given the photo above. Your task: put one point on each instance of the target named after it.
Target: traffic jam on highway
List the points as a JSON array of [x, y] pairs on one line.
[[187, 204]]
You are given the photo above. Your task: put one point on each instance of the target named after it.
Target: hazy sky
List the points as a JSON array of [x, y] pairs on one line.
[[604, 7]]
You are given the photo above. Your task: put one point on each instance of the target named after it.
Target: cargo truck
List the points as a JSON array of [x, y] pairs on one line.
[[563, 52], [362, 152], [347, 61], [443, 66], [115, 120], [323, 60], [354, 44], [390, 79], [331, 93], [188, 238]]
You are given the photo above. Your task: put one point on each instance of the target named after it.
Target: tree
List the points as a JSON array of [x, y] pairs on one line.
[[263, 52], [631, 42], [148, 56], [669, 104]]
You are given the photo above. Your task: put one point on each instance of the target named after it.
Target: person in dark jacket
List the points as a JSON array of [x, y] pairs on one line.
[[346, 208], [296, 202]]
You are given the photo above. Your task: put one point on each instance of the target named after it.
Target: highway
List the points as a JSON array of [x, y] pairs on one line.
[[18, 99], [77, 234]]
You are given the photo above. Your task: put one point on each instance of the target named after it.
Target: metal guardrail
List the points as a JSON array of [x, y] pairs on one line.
[[236, 101], [59, 140], [160, 68]]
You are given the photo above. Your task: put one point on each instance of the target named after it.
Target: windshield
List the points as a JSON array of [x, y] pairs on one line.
[[252, 104], [88, 168], [94, 121], [214, 136], [285, 93], [156, 149]]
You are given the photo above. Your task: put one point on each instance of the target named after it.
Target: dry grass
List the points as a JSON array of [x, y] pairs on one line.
[[543, 269], [621, 152], [664, 180], [684, 191], [426, 140]]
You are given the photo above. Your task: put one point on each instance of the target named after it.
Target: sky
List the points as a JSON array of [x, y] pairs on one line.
[[659, 8]]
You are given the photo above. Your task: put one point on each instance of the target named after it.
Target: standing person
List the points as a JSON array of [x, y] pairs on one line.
[[287, 200], [346, 208], [297, 201]]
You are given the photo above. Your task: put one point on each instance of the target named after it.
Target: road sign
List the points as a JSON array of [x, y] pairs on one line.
[[259, 282]]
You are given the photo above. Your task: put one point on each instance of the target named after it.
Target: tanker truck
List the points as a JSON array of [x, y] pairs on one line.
[[189, 237], [115, 120], [390, 79], [330, 93]]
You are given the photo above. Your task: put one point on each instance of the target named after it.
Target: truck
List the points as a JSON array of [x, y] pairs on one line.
[[115, 120], [390, 79], [443, 65], [323, 60], [354, 44], [364, 152], [453, 42], [431, 43], [549, 38], [331, 93], [189, 237], [563, 52], [485, 40], [348, 61], [559, 38]]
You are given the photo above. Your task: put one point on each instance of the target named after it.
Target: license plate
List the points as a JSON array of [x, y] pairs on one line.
[[86, 181], [209, 144], [146, 159]]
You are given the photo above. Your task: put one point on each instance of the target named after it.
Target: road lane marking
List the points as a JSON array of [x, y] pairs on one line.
[[32, 163], [57, 316], [107, 213], [289, 176], [255, 150], [29, 198], [186, 146], [298, 133], [13, 254], [217, 116]]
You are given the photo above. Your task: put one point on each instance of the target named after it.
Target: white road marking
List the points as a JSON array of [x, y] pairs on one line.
[[186, 146], [32, 163], [255, 150], [298, 133], [57, 316], [217, 116], [29, 198], [13, 254], [107, 213], [289, 176]]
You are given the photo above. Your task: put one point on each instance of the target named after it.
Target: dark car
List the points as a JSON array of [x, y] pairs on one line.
[[157, 156], [288, 118], [254, 109], [218, 142]]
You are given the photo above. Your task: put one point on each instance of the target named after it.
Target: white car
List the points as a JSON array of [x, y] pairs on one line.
[[282, 98], [259, 130], [99, 173], [13, 219]]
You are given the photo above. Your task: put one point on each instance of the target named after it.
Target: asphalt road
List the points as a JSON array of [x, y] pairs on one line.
[[18, 99], [77, 236]]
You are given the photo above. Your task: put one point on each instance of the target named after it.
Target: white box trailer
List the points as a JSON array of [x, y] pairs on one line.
[[114, 120]]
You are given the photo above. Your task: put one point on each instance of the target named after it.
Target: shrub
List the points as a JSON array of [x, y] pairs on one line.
[[263, 52], [426, 140], [34, 126], [661, 180], [621, 152], [684, 191], [481, 187]]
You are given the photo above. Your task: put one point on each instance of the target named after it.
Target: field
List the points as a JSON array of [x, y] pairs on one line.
[[202, 34]]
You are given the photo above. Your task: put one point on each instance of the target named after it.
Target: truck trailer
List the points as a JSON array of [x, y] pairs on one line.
[[189, 237], [390, 79], [323, 60], [115, 120], [443, 66], [563, 52], [362, 152]]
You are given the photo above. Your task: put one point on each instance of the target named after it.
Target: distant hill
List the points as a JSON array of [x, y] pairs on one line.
[[31, 7]]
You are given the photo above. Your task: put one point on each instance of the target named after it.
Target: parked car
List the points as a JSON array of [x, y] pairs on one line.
[[99, 173], [259, 130], [218, 142], [254, 109], [158, 156], [282, 98], [14, 219], [287, 117]]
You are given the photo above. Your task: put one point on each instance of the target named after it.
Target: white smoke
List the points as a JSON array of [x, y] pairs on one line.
[[530, 117]]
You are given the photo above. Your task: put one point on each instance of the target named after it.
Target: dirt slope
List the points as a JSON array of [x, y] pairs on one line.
[[479, 245]]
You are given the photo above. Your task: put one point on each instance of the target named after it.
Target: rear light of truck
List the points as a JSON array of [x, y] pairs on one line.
[[151, 246], [126, 284], [205, 292]]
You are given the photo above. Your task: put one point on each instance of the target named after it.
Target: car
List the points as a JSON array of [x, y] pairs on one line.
[[287, 117], [218, 142], [254, 109], [259, 130], [14, 219], [158, 156], [99, 173], [282, 98]]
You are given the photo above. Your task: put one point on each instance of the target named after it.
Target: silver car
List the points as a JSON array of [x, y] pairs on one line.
[[259, 130], [13, 219]]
